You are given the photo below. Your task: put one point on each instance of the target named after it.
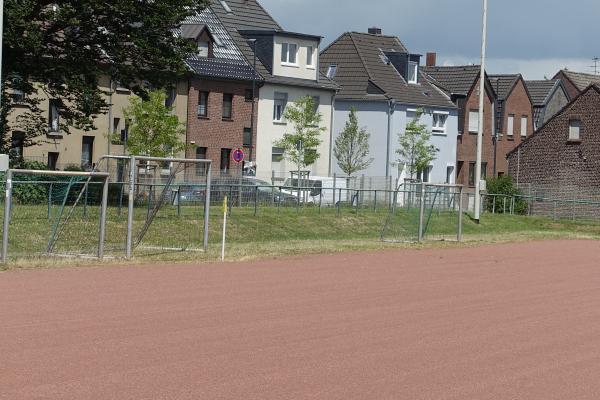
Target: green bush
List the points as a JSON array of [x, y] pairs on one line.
[[504, 185], [34, 193]]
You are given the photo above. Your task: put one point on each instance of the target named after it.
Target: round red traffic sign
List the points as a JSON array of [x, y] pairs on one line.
[[238, 155]]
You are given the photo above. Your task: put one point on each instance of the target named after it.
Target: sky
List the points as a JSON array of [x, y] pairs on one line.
[[533, 37]]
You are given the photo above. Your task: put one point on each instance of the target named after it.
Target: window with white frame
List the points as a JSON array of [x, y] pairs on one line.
[[280, 101], [203, 49], [425, 174], [450, 174], [510, 126], [310, 62], [524, 121], [288, 53], [413, 72], [474, 121], [277, 154], [574, 129], [439, 122]]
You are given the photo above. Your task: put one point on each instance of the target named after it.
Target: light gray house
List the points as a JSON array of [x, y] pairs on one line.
[[379, 77]]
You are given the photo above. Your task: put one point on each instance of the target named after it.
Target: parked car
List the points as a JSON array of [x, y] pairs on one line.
[[318, 189], [249, 188]]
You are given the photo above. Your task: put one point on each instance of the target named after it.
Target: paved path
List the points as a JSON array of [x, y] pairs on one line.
[[519, 321]]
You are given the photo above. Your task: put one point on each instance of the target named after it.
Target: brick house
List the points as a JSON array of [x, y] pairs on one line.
[[563, 157], [461, 83], [221, 99], [576, 82], [514, 117], [549, 97]]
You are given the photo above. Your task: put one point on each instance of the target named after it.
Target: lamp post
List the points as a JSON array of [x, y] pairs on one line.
[[481, 104], [252, 116], [1, 32]]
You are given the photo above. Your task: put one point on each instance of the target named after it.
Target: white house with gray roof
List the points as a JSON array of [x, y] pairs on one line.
[[379, 77]]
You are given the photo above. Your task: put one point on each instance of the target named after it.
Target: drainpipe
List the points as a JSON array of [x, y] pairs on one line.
[[391, 108], [331, 126]]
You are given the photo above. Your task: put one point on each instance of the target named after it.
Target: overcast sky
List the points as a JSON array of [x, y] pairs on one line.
[[534, 37]]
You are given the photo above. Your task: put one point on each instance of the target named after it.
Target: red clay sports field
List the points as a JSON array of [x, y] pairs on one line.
[[510, 321]]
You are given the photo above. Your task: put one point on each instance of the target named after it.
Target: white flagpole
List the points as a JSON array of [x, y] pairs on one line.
[[481, 120]]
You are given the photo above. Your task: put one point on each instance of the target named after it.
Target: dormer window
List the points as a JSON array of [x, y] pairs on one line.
[[226, 6], [413, 72], [331, 71], [288, 53], [310, 57], [203, 49]]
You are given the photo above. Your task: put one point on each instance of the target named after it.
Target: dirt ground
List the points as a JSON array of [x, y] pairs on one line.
[[511, 321]]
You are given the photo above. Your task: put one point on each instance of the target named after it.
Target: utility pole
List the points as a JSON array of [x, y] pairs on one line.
[[595, 60], [481, 104]]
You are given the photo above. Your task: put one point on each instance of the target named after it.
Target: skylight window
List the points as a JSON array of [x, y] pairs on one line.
[[331, 71], [226, 6]]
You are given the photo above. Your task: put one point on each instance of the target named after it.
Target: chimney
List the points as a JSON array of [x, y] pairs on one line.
[[375, 31], [431, 59]]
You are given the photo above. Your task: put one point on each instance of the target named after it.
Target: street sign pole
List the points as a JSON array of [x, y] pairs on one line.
[[224, 228]]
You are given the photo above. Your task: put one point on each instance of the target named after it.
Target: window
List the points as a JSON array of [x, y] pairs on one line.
[[248, 95], [226, 6], [279, 106], [524, 121], [575, 129], [125, 132], [413, 72], [18, 95], [203, 49], [247, 137], [439, 122], [52, 160], [200, 155], [53, 117], [277, 154], [171, 96], [17, 145], [472, 172], [87, 151], [425, 175], [449, 174], [225, 160], [474, 121], [510, 126], [203, 104], [309, 56], [227, 105], [115, 127], [288, 53], [331, 71]]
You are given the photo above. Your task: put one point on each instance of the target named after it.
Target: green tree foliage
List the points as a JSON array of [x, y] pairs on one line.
[[351, 147], [60, 49], [415, 151], [153, 129], [504, 185], [305, 121]]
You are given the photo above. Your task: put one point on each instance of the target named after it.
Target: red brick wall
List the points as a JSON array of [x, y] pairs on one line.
[[518, 104], [214, 132], [466, 150]]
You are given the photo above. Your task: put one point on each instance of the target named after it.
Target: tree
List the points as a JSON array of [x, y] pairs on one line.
[[351, 147], [415, 151], [300, 146], [153, 130], [60, 49]]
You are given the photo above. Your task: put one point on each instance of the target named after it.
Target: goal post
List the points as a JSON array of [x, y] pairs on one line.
[[424, 211], [75, 185], [153, 187]]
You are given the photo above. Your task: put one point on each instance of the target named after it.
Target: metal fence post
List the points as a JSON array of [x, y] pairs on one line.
[[130, 205], [375, 202], [7, 206], [179, 201], [207, 206], [460, 212], [50, 201], [103, 217], [334, 182], [422, 213], [255, 200]]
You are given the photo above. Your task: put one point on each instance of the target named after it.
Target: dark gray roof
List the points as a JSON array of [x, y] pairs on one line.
[[540, 91], [503, 84], [364, 72], [249, 15], [222, 69], [192, 31], [580, 79], [455, 79]]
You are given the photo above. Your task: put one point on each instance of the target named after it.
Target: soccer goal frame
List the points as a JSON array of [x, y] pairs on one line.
[[421, 193], [131, 184], [8, 203]]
